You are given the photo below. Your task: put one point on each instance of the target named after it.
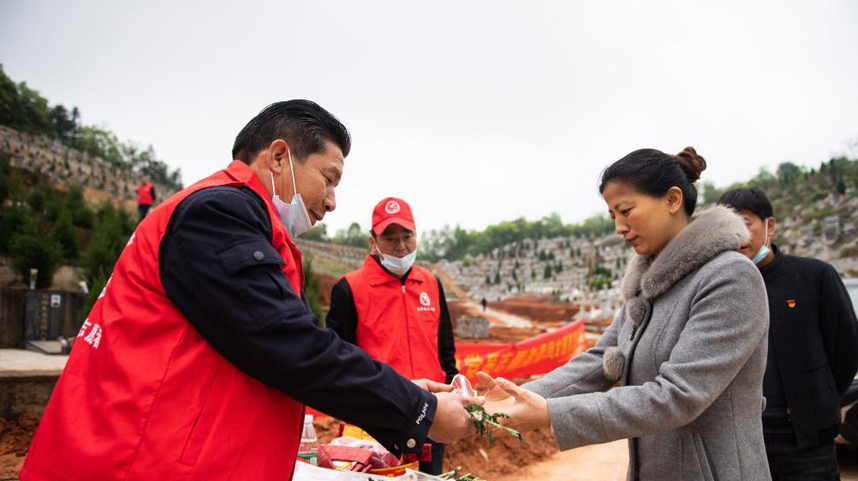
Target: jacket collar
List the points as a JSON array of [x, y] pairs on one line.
[[377, 275], [710, 233], [241, 172]]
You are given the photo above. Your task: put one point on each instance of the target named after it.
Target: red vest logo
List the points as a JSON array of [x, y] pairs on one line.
[[424, 299], [392, 207]]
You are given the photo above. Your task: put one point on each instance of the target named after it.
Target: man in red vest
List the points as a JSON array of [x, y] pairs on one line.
[[396, 310], [199, 355], [145, 197]]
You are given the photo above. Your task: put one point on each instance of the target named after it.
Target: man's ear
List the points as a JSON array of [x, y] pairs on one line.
[[771, 226], [372, 245], [278, 156]]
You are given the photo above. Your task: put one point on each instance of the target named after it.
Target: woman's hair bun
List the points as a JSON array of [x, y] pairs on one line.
[[691, 163]]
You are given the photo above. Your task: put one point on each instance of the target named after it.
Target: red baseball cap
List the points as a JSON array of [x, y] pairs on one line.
[[391, 211]]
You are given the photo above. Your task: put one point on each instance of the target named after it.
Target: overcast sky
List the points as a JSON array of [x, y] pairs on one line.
[[474, 112]]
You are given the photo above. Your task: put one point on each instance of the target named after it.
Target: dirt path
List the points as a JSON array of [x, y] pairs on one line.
[[498, 317], [608, 462], [602, 462]]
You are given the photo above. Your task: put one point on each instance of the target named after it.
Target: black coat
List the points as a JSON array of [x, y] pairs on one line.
[[813, 341]]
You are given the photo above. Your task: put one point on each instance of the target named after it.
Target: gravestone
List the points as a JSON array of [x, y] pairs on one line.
[[472, 328]]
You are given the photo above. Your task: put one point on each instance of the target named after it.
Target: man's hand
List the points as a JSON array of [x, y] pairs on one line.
[[452, 422], [432, 386]]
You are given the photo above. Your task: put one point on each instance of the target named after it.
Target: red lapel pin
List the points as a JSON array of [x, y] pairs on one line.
[[791, 303]]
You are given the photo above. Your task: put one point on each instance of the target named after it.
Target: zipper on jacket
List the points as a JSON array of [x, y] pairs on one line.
[[634, 330], [407, 329]]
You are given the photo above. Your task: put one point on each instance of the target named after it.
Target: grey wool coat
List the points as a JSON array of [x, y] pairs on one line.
[[689, 347]]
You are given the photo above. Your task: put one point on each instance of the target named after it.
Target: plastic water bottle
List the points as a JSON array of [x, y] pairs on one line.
[[308, 450]]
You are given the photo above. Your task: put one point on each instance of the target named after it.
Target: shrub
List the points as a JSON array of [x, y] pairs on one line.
[[82, 215], [5, 181], [35, 247], [108, 240], [11, 221], [65, 233]]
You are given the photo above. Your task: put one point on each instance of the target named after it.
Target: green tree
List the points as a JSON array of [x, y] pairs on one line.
[[318, 233], [34, 247], [788, 173], [711, 194], [65, 123], [82, 215], [547, 273], [11, 221], [5, 181], [64, 232], [105, 246], [353, 236]]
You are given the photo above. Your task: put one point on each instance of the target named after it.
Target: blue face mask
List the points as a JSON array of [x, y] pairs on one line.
[[764, 249]]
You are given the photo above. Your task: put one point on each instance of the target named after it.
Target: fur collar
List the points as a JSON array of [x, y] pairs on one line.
[[710, 233]]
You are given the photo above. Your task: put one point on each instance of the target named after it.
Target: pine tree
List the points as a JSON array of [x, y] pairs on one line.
[[64, 232], [34, 247]]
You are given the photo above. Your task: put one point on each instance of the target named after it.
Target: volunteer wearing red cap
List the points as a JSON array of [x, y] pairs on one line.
[[396, 310]]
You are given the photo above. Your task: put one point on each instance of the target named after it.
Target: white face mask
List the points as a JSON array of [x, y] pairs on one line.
[[397, 265], [294, 216]]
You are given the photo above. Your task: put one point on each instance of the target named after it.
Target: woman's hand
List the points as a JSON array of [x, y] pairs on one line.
[[526, 410], [495, 393]]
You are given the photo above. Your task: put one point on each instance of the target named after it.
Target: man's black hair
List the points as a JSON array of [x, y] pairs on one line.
[[753, 200], [303, 124]]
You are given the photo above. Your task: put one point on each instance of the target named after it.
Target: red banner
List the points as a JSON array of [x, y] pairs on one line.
[[537, 355]]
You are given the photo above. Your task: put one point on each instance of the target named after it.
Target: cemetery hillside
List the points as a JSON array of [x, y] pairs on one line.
[[536, 290]]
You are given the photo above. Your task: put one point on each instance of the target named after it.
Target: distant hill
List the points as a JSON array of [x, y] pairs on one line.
[[64, 167], [51, 140], [816, 210]]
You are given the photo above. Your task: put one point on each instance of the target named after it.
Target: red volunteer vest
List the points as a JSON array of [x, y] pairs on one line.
[[144, 194], [145, 397], [398, 324]]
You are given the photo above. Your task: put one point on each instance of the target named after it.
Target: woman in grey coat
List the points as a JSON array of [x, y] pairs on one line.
[[688, 346]]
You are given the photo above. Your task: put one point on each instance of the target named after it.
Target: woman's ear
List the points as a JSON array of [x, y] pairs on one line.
[[675, 200]]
